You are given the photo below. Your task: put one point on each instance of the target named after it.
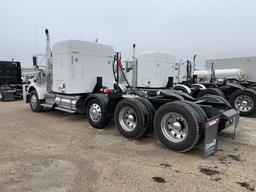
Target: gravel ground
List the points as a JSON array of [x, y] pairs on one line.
[[54, 151]]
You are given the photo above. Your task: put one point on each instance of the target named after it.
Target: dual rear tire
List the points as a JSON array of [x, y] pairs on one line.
[[178, 125], [134, 117]]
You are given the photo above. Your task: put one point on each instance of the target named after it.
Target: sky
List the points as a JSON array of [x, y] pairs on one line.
[[210, 29]]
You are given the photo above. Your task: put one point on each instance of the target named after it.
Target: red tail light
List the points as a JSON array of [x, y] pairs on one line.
[[212, 122], [106, 90]]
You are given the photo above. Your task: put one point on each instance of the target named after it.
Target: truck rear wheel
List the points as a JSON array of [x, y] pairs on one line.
[[201, 118], [96, 112], [211, 91], [34, 102], [244, 100], [151, 113], [131, 118], [176, 126]]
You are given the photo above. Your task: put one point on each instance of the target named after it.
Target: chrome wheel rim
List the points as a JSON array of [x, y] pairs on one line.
[[33, 101], [244, 103], [95, 112], [128, 119], [174, 127]]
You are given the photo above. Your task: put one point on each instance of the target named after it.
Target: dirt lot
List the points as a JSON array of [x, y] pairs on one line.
[[55, 151]]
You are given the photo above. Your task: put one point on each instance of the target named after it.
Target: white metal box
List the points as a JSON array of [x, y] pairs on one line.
[[154, 68], [246, 64], [77, 64]]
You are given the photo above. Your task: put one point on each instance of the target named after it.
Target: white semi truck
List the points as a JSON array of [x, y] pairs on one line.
[[86, 77]]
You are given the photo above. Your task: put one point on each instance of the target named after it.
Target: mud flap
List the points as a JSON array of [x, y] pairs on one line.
[[230, 119], [210, 137]]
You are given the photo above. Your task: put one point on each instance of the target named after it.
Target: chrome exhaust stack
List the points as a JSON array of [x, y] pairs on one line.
[[49, 80], [134, 69]]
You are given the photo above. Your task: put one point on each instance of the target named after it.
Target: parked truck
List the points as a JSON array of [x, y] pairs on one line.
[[230, 83], [10, 80], [88, 77]]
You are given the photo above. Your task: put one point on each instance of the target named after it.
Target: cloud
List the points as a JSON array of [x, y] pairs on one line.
[[211, 29]]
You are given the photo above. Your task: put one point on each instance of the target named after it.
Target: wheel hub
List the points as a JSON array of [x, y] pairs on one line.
[[128, 119], [33, 101], [95, 112], [174, 127], [244, 103]]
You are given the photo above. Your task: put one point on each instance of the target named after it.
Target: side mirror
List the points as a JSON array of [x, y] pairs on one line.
[[129, 65]]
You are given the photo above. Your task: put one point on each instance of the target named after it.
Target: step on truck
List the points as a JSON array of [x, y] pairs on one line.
[[88, 77]]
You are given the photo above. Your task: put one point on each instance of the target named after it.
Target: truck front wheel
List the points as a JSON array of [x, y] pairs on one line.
[[34, 101], [96, 112]]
